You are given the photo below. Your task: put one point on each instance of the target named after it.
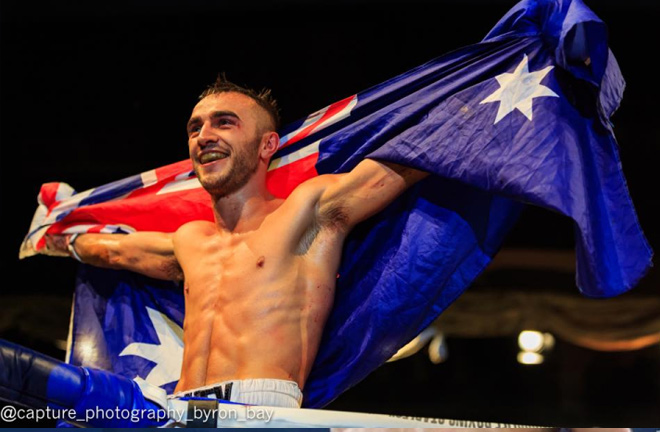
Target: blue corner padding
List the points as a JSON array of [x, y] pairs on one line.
[[99, 398]]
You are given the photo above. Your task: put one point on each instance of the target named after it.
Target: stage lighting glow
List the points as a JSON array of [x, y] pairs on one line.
[[529, 358], [532, 341], [87, 351]]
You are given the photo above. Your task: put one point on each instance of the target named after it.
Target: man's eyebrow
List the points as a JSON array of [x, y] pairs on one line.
[[217, 114], [214, 115]]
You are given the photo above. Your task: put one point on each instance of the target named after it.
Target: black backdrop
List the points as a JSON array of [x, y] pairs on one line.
[[95, 91]]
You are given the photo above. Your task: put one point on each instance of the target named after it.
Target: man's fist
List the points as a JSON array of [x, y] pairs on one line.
[[57, 244]]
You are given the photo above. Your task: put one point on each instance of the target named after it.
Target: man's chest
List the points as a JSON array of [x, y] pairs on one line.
[[233, 258], [255, 272]]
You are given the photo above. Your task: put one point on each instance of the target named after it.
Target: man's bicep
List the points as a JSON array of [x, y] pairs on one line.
[[366, 190]]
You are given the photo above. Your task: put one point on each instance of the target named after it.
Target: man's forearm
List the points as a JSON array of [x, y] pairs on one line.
[[101, 250], [148, 253]]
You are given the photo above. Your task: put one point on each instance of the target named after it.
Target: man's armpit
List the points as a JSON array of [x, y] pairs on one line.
[[333, 216], [171, 270], [331, 220]]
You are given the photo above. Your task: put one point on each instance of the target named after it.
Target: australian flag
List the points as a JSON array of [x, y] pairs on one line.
[[520, 118]]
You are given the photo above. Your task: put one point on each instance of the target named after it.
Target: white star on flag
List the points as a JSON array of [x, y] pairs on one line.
[[168, 354], [518, 89]]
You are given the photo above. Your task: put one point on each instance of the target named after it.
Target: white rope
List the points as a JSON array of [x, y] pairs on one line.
[[246, 416]]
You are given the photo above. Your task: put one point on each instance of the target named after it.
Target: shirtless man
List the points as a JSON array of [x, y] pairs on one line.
[[260, 280]]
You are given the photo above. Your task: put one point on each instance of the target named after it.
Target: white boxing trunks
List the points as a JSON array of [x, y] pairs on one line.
[[262, 391]]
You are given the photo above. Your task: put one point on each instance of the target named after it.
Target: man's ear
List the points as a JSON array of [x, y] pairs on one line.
[[270, 143]]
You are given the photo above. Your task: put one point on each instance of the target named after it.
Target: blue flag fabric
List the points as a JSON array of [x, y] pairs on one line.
[[129, 324], [521, 117]]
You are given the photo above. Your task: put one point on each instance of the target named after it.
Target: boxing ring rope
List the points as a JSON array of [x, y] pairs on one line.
[[90, 397], [272, 417]]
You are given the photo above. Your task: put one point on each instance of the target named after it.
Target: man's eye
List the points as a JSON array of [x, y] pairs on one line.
[[224, 122]]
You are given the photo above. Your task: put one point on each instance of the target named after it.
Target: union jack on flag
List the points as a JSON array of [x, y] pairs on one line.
[[172, 190], [521, 117]]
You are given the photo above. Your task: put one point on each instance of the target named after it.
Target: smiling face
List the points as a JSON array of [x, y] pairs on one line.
[[225, 133]]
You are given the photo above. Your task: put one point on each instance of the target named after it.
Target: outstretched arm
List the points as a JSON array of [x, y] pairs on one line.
[[366, 190], [148, 253]]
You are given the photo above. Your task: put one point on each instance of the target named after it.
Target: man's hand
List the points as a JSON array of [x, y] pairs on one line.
[[57, 244]]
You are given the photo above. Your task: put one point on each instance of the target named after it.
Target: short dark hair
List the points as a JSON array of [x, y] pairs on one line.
[[264, 98]]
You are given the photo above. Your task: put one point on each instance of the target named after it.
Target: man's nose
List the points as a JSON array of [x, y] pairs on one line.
[[206, 135]]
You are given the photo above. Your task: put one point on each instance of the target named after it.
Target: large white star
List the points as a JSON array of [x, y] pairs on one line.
[[518, 89], [168, 354]]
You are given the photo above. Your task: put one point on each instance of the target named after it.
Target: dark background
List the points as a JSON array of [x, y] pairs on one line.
[[96, 91]]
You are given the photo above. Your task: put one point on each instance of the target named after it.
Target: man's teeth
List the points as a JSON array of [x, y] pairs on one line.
[[212, 156]]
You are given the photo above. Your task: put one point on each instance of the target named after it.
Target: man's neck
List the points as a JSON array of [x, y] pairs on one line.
[[245, 209]]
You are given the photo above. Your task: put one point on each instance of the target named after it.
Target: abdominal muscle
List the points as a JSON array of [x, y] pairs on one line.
[[250, 320]]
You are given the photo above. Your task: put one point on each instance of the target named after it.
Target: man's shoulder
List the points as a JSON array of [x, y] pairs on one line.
[[194, 228], [189, 236]]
